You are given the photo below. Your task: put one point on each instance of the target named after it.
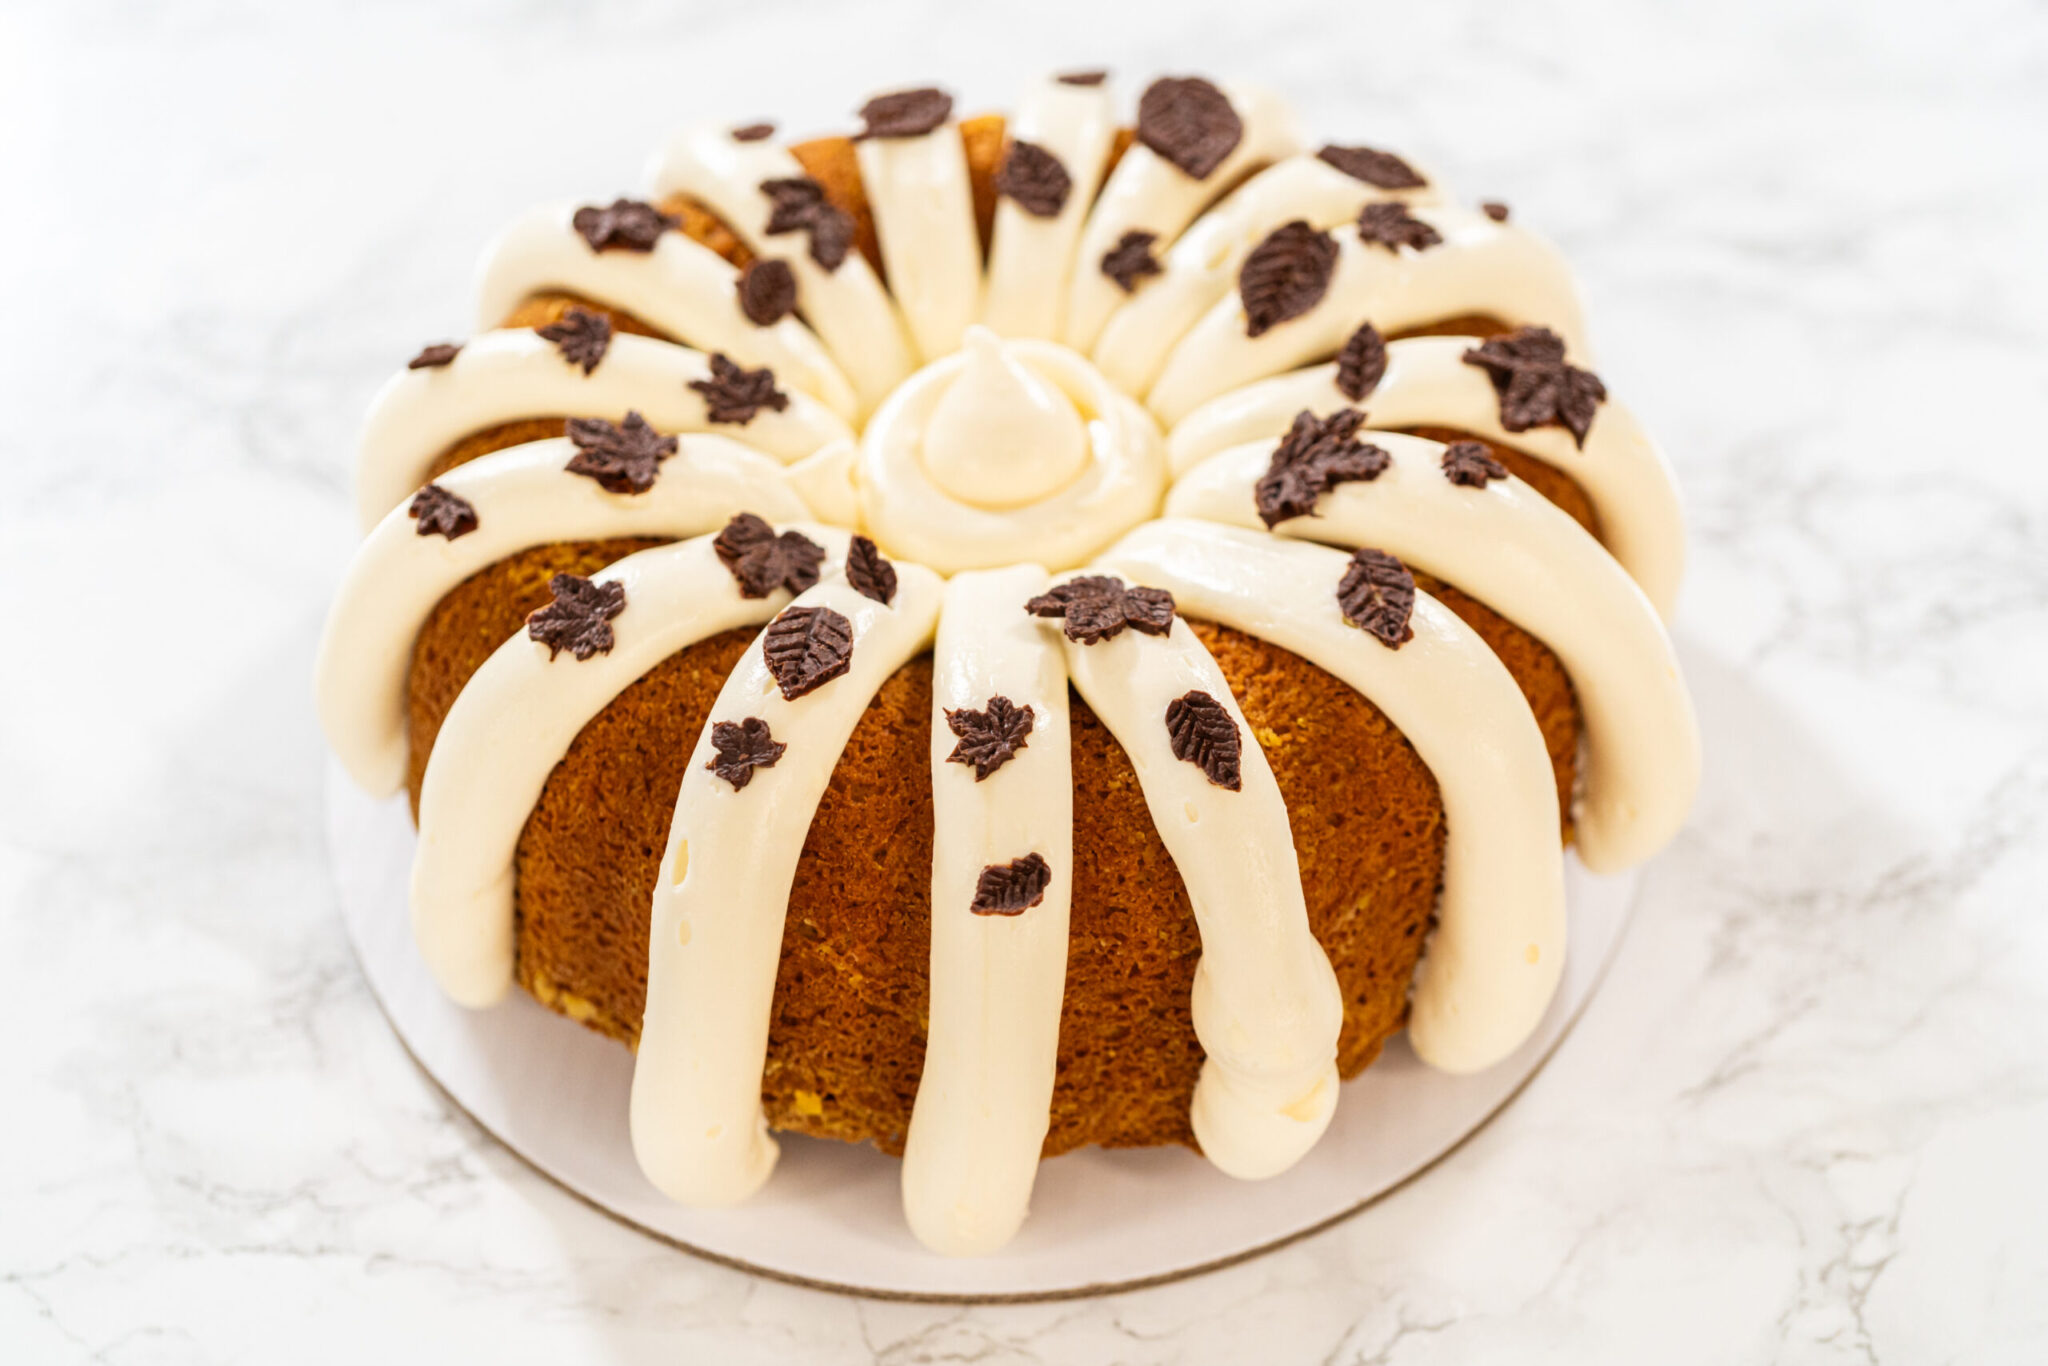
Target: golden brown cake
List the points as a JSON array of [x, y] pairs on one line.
[[1013, 633]]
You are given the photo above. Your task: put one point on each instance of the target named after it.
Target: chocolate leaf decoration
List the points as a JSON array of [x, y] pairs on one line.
[[1035, 178], [1082, 77], [1190, 123], [761, 561], [1389, 224], [806, 648], [1097, 607], [435, 356], [905, 113], [753, 132], [740, 748], [991, 737], [870, 575], [441, 513], [798, 204], [767, 291], [626, 224], [1131, 259], [1494, 209], [1011, 888], [1536, 385], [1362, 364], [1373, 166], [1202, 733], [1286, 275], [1315, 456], [581, 336], [1377, 594], [579, 618], [1471, 464], [624, 458], [734, 395]]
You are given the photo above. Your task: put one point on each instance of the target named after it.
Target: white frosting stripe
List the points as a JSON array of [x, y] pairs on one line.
[[1202, 267], [847, 307], [1499, 944], [1427, 383], [1148, 193], [997, 981], [923, 203], [1031, 259], [681, 287], [1480, 267], [721, 897], [1533, 564], [905, 508], [523, 496], [1266, 1004], [510, 726], [513, 373]]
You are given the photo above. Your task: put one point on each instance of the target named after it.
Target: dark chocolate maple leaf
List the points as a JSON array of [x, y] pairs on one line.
[[624, 457], [1097, 607], [441, 513], [741, 747], [1315, 456], [762, 561], [1535, 383], [582, 336], [579, 617], [735, 395], [991, 737]]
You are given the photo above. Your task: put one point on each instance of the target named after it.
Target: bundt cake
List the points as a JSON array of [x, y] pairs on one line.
[[985, 636]]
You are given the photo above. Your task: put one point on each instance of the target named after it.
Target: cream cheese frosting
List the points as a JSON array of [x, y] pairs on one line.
[[1266, 1005], [524, 496], [906, 508], [1428, 383], [716, 933], [1505, 545], [1148, 193], [923, 205], [484, 776], [1481, 266], [1030, 257], [681, 288], [847, 306], [513, 373], [1493, 962], [997, 980], [1202, 266]]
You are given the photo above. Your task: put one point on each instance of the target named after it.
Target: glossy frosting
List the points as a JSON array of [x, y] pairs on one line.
[[957, 417], [1117, 485], [524, 496], [997, 981], [1505, 545], [1493, 961], [719, 900], [514, 373]]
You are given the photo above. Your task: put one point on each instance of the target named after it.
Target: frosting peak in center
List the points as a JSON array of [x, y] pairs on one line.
[[1001, 435]]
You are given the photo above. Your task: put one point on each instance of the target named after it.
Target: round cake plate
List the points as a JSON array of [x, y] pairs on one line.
[[555, 1094]]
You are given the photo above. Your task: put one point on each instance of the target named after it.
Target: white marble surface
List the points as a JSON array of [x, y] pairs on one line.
[[1803, 1123]]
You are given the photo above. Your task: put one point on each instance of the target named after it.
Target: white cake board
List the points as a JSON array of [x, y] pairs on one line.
[[555, 1094]]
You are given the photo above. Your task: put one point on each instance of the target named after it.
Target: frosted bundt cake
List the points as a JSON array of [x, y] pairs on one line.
[[988, 636]]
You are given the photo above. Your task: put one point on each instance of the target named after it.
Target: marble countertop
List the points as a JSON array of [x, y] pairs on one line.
[[1803, 1121]]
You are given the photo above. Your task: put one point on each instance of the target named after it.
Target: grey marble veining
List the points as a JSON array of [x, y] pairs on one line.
[[1803, 1121]]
